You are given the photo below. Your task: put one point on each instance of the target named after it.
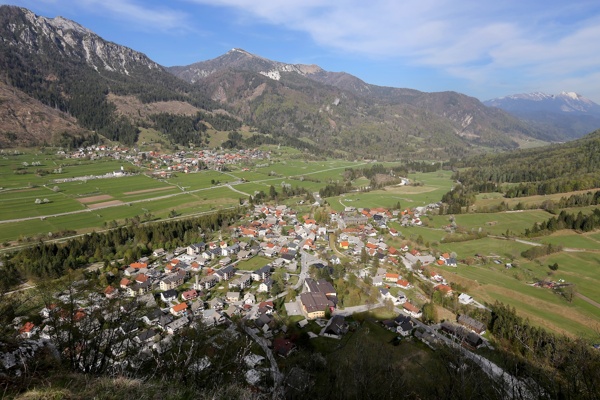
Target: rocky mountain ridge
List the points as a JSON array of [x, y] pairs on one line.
[[66, 66]]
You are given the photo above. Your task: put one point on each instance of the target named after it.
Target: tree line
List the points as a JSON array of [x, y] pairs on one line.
[[561, 367], [53, 260], [565, 220]]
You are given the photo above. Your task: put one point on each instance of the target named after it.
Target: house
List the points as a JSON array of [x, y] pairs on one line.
[[177, 325], [321, 286], [139, 289], [443, 289], [224, 261], [244, 254], [152, 316], [466, 337], [403, 283], [314, 304], [212, 317], [377, 281], [195, 249], [225, 273], [283, 347], [412, 310], [389, 277], [147, 336], [169, 295], [208, 282], [110, 292], [400, 298], [197, 307], [385, 294], [262, 273], [189, 295], [164, 321], [249, 298], [263, 322], [336, 327], [405, 325], [464, 298], [241, 282], [171, 282], [124, 283], [27, 330], [472, 324], [179, 309], [265, 286], [159, 252], [233, 297]]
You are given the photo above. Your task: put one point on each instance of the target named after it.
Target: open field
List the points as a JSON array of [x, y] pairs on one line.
[[490, 283], [571, 239], [253, 264], [489, 200], [432, 186], [495, 223]]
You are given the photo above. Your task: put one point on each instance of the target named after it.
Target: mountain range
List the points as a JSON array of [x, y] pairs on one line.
[[78, 88], [565, 116]]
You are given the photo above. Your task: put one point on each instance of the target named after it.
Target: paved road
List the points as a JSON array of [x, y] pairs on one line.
[[587, 299], [275, 372]]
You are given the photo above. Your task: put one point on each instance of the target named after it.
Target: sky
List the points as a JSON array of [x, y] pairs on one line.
[[482, 48]]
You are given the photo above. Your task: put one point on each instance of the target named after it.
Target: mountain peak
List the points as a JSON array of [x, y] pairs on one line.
[[236, 50], [66, 24], [572, 95], [575, 114]]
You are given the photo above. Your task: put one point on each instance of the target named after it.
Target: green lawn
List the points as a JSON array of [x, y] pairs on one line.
[[571, 239], [253, 264]]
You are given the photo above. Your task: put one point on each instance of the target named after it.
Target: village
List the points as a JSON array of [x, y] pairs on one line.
[[273, 267], [164, 164]]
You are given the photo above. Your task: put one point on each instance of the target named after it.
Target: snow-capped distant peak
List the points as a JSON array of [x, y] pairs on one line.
[[571, 95], [535, 96]]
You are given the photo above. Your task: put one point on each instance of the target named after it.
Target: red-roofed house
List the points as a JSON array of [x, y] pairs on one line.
[[189, 295], [403, 283], [412, 310], [444, 289], [124, 283], [110, 292], [179, 309], [389, 277], [27, 330]]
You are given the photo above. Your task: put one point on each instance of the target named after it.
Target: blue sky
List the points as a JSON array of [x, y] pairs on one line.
[[481, 48]]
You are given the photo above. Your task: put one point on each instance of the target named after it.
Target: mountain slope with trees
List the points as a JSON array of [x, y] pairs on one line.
[[67, 67]]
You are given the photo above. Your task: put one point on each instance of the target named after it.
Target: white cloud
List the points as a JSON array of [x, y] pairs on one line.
[[138, 14], [143, 15], [474, 41]]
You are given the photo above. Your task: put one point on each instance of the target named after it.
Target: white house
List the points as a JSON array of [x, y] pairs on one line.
[[464, 298]]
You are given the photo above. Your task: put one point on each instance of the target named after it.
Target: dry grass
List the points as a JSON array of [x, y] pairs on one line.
[[566, 314], [105, 204], [148, 190], [94, 199]]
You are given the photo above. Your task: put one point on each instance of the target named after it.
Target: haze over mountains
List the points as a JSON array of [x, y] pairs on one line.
[[112, 90], [568, 114]]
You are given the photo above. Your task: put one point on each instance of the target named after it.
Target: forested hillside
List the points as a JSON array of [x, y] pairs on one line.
[[69, 68], [558, 168]]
